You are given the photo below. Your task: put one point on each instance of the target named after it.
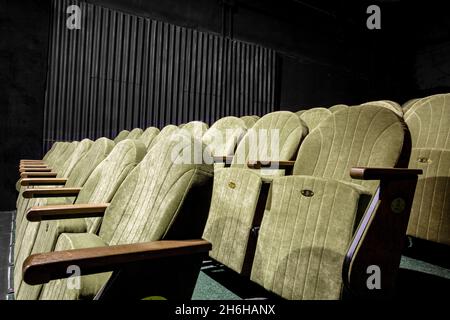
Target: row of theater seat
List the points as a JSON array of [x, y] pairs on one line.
[[286, 211]]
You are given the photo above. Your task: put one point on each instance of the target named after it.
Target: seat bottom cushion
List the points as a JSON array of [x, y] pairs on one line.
[[304, 236], [76, 288]]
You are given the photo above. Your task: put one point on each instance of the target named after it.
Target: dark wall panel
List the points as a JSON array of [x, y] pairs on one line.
[[121, 71]]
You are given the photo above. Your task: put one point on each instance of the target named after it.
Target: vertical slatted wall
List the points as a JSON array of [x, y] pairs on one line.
[[121, 71]]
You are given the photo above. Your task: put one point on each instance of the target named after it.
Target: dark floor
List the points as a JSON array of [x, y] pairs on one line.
[[6, 245]]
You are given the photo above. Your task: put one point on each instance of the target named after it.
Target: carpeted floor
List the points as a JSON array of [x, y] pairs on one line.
[[417, 280]]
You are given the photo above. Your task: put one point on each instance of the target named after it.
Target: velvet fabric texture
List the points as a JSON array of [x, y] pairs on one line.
[[135, 133], [313, 117], [303, 238], [311, 216], [148, 136], [165, 133], [236, 189], [337, 107], [195, 128], [390, 105], [408, 104], [276, 136], [224, 135], [143, 209], [121, 136], [100, 186], [50, 157], [249, 121], [235, 195], [64, 170], [356, 136], [429, 122]]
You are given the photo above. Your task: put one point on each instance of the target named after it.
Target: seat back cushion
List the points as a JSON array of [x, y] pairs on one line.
[[121, 136], [148, 136], [224, 135], [135, 133], [82, 148], [276, 136], [109, 174], [337, 107], [314, 116], [390, 105], [196, 128], [99, 150], [150, 198], [99, 188], [249, 121], [369, 136], [429, 122], [166, 132]]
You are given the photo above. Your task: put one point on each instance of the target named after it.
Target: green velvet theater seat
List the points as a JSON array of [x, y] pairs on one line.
[[22, 233], [135, 133], [52, 160], [313, 117], [236, 189], [150, 205], [56, 149], [101, 182], [121, 136], [429, 122], [62, 167], [249, 120], [310, 217], [148, 136], [388, 104], [195, 128], [337, 107], [408, 104], [165, 133], [54, 163], [223, 137]]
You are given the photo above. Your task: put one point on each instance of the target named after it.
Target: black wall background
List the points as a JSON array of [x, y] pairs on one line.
[[23, 66], [326, 55]]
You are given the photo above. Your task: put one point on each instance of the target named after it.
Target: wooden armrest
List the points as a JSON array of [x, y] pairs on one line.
[[223, 159], [50, 192], [33, 165], [42, 181], [26, 169], [42, 268], [66, 211], [282, 164], [38, 175], [383, 173], [31, 161]]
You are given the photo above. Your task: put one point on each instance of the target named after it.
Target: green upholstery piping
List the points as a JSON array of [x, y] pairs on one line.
[[313, 117]]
